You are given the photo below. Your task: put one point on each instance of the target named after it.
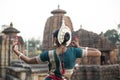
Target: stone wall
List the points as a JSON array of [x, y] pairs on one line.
[[96, 72], [6, 53], [81, 72], [22, 71]]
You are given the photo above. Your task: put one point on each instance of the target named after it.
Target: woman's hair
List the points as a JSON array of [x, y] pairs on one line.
[[66, 38], [55, 35]]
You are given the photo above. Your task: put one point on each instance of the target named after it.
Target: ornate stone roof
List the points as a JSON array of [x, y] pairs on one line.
[[91, 39], [10, 30], [57, 11]]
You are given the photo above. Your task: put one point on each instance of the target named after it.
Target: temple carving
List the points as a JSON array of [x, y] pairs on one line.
[[53, 23], [90, 68], [6, 54], [91, 39]]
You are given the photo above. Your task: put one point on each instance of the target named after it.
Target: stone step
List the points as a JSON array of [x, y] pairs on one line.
[[9, 77], [24, 69], [18, 63], [2, 79], [30, 65]]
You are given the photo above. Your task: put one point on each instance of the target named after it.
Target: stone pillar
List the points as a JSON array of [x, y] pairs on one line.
[[3, 57], [34, 76], [118, 52], [23, 76], [42, 76]]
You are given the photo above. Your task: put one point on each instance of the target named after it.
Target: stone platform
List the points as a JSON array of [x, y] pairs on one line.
[[96, 72], [24, 71]]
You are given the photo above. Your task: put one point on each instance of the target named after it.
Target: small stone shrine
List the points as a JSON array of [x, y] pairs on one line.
[[93, 40], [6, 55]]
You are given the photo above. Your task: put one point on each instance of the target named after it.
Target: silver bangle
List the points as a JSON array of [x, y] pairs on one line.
[[85, 52], [20, 54]]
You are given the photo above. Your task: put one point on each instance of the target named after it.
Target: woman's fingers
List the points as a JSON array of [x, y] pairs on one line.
[[15, 44], [16, 47]]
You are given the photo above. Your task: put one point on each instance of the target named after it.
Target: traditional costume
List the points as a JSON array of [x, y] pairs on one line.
[[62, 64], [56, 61]]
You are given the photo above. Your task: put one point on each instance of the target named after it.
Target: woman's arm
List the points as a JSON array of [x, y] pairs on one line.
[[87, 51], [93, 52], [28, 60]]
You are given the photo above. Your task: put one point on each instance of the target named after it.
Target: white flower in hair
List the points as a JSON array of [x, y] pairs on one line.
[[64, 29]]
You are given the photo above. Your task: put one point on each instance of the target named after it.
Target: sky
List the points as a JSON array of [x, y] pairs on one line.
[[29, 16]]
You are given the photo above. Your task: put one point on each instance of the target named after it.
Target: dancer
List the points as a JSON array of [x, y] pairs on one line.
[[62, 59]]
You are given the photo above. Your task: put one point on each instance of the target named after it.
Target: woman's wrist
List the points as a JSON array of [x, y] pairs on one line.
[[77, 46], [85, 51], [20, 54], [15, 49]]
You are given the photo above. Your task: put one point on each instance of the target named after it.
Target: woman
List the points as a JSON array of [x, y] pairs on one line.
[[62, 59]]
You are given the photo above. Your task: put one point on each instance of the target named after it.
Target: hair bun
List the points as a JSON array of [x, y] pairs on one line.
[[64, 35]]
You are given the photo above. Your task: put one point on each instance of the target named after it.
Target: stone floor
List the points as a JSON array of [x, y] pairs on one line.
[[118, 78], [1, 79]]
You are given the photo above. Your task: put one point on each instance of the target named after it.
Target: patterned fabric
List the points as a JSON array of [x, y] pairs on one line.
[[69, 59], [53, 77]]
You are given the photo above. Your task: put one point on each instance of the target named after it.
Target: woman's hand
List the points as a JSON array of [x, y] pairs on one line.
[[21, 55], [15, 46], [75, 42]]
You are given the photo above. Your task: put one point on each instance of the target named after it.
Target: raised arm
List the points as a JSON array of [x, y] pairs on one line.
[[93, 52], [28, 60], [87, 51]]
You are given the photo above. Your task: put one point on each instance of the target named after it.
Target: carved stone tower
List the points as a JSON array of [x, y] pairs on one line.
[[6, 54], [53, 23]]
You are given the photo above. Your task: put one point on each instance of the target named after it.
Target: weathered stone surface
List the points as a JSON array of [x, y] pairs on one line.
[[25, 71], [81, 72], [53, 23], [96, 72], [91, 39], [6, 53]]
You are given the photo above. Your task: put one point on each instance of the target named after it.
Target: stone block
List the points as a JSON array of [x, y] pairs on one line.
[[96, 72]]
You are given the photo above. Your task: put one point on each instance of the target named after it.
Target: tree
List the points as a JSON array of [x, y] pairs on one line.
[[33, 46], [118, 26], [112, 35]]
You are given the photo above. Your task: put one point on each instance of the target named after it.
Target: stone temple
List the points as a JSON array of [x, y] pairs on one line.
[[86, 38], [90, 68], [6, 55], [53, 23]]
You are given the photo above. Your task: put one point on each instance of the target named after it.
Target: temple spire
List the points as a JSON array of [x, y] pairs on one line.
[[11, 24], [58, 11], [81, 26], [58, 6]]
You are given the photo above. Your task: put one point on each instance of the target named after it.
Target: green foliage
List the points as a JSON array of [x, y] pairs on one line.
[[118, 26], [33, 46], [112, 35]]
